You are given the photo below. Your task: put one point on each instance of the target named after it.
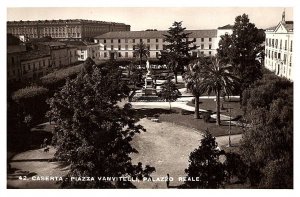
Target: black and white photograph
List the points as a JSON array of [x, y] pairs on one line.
[[150, 97]]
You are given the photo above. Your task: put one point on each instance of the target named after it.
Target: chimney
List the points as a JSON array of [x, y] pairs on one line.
[[283, 17]]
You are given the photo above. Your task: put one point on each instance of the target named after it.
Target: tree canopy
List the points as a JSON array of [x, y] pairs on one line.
[[241, 49], [267, 145], [177, 50], [93, 133], [205, 164]]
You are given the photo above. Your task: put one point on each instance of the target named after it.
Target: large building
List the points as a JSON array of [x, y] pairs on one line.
[[279, 48], [121, 44], [62, 29], [85, 49]]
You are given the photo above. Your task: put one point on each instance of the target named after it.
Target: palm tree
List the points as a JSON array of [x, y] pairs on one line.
[[193, 78], [141, 51], [218, 77]]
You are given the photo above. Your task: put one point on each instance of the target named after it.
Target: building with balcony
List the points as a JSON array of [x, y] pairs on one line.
[[85, 49], [279, 48], [62, 29]]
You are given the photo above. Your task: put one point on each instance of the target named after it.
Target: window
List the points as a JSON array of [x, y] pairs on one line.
[[157, 54], [105, 54], [111, 41], [156, 40], [133, 54], [291, 48], [119, 40], [104, 41], [120, 55], [119, 47], [202, 39], [104, 47], [133, 40], [209, 52], [276, 43], [285, 44], [209, 39], [280, 44], [112, 47], [279, 56], [126, 54], [194, 40], [290, 61], [266, 41], [202, 52], [141, 40], [133, 47], [209, 46], [148, 46], [275, 55], [157, 47], [202, 46], [81, 56], [148, 40]]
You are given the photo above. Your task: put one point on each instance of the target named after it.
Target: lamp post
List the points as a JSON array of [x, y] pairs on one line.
[[229, 132]]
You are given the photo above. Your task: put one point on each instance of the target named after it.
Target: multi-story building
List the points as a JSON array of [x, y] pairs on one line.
[[58, 51], [121, 44], [35, 64], [85, 49], [62, 29], [279, 48], [14, 70]]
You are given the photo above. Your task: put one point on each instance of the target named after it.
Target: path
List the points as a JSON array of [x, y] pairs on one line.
[[167, 146]]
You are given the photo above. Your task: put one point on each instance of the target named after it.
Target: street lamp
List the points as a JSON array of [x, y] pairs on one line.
[[229, 132]]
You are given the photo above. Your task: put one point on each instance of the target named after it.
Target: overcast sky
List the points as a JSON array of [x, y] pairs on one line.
[[157, 18]]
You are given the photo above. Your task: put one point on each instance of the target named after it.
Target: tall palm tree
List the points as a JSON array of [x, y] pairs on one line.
[[141, 51], [193, 78], [218, 77]]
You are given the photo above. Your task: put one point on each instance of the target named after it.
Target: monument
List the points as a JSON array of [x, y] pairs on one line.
[[148, 88]]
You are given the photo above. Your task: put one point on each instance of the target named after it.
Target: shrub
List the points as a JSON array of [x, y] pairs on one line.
[[206, 116]]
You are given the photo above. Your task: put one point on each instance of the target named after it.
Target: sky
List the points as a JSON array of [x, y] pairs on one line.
[[160, 18]]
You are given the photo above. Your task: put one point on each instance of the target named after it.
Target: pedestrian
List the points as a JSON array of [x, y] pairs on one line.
[[168, 180]]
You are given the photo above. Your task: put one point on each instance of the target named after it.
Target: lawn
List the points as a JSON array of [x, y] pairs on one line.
[[188, 120], [210, 104]]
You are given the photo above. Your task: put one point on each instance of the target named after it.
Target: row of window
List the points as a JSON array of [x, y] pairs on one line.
[[39, 64], [119, 54], [275, 55], [277, 44], [147, 40], [148, 47]]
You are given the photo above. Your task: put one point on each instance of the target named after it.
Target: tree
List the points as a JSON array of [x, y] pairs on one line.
[[241, 50], [93, 133], [205, 164], [141, 51], [135, 78], [267, 145], [218, 77], [31, 101], [193, 78], [177, 50], [169, 92]]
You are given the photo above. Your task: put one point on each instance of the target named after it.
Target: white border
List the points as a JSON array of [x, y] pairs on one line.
[[139, 3]]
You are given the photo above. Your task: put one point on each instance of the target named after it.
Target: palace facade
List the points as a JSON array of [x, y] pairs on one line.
[[279, 48], [62, 29]]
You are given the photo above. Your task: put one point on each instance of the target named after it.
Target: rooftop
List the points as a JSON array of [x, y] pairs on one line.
[[78, 43], [31, 55], [156, 34], [289, 26], [65, 21], [52, 44], [226, 27]]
